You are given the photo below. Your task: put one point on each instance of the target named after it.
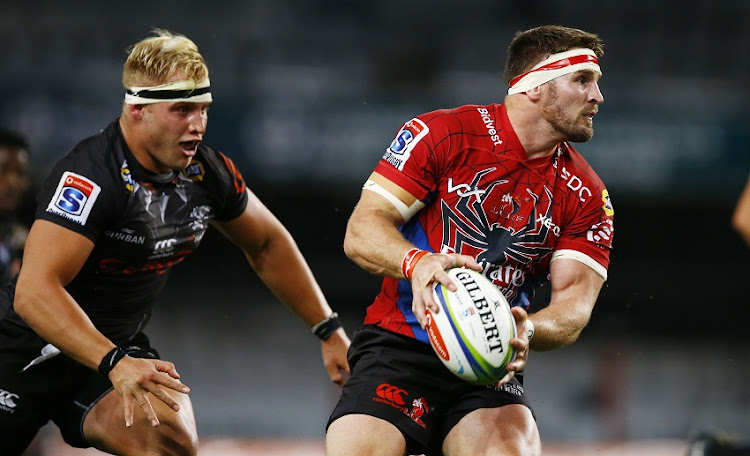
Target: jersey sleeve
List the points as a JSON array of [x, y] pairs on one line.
[[409, 161], [230, 188], [79, 194], [591, 232]]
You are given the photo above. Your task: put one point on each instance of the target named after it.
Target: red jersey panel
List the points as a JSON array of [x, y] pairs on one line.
[[485, 198]]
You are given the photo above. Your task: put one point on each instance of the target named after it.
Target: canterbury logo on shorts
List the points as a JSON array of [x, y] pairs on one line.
[[391, 393], [7, 400]]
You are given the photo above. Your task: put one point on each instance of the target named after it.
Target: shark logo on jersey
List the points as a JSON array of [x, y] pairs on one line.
[[200, 215], [504, 251], [74, 197], [400, 149]]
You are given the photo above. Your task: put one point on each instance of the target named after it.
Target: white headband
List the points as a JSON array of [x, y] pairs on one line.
[[553, 67], [171, 92]]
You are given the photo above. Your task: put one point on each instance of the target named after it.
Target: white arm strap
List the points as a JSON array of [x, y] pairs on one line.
[[407, 212], [583, 258]]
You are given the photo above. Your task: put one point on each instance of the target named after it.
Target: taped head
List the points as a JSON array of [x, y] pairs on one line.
[[554, 66], [541, 46]]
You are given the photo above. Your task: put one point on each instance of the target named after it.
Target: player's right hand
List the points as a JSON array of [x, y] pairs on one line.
[[429, 270], [134, 378], [520, 343]]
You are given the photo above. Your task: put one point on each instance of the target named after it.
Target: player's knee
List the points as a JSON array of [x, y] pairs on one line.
[[528, 442], [176, 438]]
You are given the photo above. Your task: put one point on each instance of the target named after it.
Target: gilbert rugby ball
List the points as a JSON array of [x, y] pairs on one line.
[[472, 331]]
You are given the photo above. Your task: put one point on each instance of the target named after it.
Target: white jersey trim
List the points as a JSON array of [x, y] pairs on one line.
[[583, 258]]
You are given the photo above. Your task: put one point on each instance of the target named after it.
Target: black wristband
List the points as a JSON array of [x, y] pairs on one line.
[[110, 359], [327, 327]]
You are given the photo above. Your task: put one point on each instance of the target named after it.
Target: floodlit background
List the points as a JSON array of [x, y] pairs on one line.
[[309, 93]]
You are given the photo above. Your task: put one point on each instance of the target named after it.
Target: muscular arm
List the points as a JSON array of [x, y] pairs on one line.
[[52, 258], [372, 238], [741, 215], [575, 288], [375, 244], [274, 255]]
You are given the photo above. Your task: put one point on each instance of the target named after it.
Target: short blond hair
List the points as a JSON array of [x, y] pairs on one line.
[[154, 60]]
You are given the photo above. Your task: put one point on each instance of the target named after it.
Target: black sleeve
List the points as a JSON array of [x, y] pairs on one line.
[[227, 184], [80, 192]]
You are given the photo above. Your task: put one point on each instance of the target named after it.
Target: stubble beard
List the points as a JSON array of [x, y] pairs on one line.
[[554, 114]]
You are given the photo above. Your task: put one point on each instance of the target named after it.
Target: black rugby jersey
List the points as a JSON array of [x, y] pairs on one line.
[[12, 239], [142, 223]]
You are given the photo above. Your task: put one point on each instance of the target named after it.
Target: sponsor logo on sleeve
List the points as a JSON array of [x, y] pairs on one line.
[[601, 232], [609, 210], [400, 149], [195, 171], [74, 197], [127, 178]]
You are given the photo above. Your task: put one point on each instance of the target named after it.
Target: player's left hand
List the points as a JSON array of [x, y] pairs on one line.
[[132, 378], [334, 352], [429, 270], [520, 343]]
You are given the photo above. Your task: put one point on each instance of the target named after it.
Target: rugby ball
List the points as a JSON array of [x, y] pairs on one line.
[[472, 331]]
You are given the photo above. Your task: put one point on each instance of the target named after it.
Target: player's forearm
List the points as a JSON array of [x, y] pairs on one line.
[[741, 216], [284, 270], [575, 289], [554, 328], [375, 245], [53, 314]]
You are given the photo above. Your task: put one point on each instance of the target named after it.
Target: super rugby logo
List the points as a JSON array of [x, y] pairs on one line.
[[74, 197], [406, 138]]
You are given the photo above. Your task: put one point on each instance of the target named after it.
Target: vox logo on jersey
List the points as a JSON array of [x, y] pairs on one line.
[[74, 197]]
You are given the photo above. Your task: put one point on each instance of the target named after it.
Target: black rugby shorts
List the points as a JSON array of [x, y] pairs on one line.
[[57, 389], [402, 381]]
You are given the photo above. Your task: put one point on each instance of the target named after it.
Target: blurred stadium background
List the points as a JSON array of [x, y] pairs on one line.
[[308, 93]]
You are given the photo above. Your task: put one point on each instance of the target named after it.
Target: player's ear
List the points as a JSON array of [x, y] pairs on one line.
[[135, 110], [535, 94]]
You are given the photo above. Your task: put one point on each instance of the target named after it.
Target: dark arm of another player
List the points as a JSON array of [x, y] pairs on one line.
[[575, 288], [741, 215], [274, 255], [52, 258]]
